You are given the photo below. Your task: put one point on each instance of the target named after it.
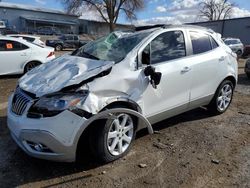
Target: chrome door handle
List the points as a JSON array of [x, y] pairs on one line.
[[222, 58], [185, 69]]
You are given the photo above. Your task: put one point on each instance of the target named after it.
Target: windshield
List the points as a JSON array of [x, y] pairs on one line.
[[113, 47]]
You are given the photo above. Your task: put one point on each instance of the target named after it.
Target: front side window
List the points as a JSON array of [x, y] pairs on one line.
[[200, 42], [165, 47], [2, 45], [6, 45]]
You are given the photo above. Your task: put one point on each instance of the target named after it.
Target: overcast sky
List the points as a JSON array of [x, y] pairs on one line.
[[156, 11]]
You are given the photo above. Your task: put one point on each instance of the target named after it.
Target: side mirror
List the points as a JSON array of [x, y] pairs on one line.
[[155, 77]]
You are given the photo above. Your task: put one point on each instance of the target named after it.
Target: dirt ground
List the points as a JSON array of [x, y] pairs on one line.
[[193, 149]]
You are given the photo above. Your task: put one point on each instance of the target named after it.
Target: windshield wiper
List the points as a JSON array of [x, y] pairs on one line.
[[84, 54]]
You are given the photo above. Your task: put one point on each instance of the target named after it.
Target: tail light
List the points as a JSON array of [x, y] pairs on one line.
[[51, 54]]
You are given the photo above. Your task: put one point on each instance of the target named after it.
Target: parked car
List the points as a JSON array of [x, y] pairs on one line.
[[19, 56], [6, 31], [66, 41], [48, 31], [2, 25], [107, 90], [246, 52], [30, 38], [235, 44], [247, 68]]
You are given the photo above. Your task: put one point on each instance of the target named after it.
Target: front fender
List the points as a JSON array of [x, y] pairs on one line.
[[110, 114]]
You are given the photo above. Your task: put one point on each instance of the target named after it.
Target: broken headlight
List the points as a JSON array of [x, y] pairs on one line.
[[52, 105]]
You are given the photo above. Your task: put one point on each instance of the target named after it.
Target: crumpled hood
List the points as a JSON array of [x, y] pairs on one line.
[[61, 72]]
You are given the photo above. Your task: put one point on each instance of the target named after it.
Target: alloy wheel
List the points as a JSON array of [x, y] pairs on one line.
[[31, 66], [225, 97], [120, 134]]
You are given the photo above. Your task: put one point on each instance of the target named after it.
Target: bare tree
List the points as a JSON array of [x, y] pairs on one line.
[[109, 10], [216, 9]]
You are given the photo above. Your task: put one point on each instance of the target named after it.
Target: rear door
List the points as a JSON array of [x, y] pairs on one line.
[[204, 62], [69, 41], [76, 41], [13, 55]]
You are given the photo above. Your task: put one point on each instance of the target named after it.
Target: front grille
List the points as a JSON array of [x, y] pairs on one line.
[[19, 102]]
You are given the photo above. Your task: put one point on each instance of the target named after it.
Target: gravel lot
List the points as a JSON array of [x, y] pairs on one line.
[[190, 150]]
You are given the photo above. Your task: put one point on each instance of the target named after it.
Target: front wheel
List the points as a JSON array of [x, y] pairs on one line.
[[222, 98], [113, 139]]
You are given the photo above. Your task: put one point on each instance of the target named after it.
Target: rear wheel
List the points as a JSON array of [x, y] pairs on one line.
[[113, 139], [30, 66], [58, 47], [222, 98]]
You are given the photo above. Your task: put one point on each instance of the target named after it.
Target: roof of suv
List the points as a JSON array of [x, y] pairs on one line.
[[184, 26]]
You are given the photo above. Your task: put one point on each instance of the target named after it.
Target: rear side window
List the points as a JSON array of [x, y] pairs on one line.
[[75, 38], [200, 42], [29, 39], [6, 45]]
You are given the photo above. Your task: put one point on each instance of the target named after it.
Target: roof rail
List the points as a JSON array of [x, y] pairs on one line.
[[140, 28], [173, 26], [189, 26]]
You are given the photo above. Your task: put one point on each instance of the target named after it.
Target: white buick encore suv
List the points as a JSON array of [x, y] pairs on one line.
[[116, 85]]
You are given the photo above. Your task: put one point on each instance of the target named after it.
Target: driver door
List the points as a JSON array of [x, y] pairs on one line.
[[167, 54]]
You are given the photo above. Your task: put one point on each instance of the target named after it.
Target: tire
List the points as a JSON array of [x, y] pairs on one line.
[[109, 141], [29, 66], [239, 53], [58, 47], [222, 98]]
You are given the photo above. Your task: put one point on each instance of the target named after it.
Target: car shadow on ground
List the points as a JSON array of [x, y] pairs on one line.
[[3, 129], [196, 114], [10, 76], [243, 80]]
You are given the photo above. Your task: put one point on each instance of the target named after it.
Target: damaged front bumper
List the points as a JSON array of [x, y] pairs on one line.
[[51, 138]]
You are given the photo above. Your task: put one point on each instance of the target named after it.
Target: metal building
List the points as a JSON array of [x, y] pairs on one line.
[[99, 28], [30, 19], [236, 28]]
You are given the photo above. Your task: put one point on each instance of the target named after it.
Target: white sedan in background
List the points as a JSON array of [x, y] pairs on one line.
[[29, 38], [18, 56]]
